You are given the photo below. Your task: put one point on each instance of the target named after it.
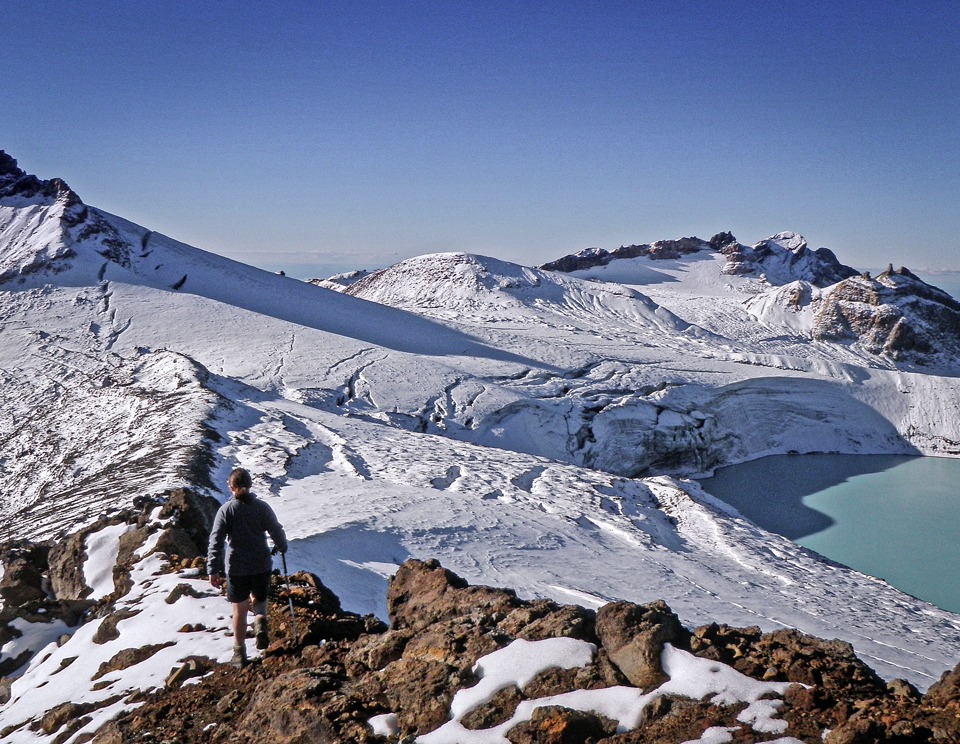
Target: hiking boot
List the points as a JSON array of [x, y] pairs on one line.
[[239, 656], [260, 631]]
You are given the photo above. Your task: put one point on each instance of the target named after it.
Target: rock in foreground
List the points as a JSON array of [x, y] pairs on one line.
[[434, 676]]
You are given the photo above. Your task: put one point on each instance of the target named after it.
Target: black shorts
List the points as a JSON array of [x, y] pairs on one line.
[[239, 588]]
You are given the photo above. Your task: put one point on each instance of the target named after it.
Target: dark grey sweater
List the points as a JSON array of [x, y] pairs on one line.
[[244, 528]]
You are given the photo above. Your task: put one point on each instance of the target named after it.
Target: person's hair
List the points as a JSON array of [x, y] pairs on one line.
[[240, 480]]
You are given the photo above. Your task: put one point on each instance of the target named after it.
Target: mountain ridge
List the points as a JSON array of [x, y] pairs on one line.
[[546, 448]]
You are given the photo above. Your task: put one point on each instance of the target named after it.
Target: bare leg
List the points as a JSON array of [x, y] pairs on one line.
[[260, 623], [240, 632], [240, 622]]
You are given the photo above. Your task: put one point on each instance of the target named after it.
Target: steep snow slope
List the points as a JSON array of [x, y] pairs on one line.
[[136, 363]]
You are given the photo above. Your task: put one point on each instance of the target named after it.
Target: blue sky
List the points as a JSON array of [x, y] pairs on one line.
[[323, 136]]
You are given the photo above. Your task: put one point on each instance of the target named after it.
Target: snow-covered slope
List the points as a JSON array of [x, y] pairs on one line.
[[480, 290], [494, 416]]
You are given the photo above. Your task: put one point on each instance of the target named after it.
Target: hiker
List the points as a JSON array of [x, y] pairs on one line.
[[244, 522]]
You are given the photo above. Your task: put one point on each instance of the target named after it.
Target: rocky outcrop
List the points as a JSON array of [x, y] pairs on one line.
[[44, 582], [77, 224], [633, 637], [408, 674], [780, 259], [65, 567], [24, 564], [14, 182], [895, 313], [661, 249]]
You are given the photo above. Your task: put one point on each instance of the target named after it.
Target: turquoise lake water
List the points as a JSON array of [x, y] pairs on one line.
[[897, 518]]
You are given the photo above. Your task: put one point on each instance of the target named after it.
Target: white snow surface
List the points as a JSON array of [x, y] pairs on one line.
[[102, 548], [518, 664], [528, 429]]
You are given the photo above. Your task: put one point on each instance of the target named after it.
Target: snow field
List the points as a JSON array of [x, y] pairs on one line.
[[454, 422]]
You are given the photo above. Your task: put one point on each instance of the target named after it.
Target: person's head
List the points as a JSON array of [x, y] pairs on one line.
[[240, 482]]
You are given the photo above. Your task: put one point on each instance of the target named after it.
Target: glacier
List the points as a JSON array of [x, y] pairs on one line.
[[528, 428]]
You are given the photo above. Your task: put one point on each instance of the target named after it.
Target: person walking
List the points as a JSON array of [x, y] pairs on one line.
[[243, 523]]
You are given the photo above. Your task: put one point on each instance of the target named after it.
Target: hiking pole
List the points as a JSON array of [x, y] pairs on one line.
[[286, 578]]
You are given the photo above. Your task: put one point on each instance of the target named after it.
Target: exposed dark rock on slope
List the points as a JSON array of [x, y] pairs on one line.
[[440, 626], [782, 258], [78, 223], [16, 182], [895, 313], [661, 249], [44, 581], [326, 682]]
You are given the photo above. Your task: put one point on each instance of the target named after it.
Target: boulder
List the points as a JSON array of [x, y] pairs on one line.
[[107, 630], [24, 566], [557, 725], [129, 657], [192, 512], [177, 543], [419, 690], [540, 619], [66, 567], [423, 593], [633, 637], [22, 583]]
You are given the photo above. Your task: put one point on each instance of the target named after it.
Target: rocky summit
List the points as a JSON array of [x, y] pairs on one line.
[[341, 672], [895, 313], [457, 663], [780, 258]]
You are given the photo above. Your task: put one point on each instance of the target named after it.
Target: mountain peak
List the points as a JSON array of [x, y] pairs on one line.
[[64, 221], [15, 182], [779, 259], [784, 258], [8, 167]]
